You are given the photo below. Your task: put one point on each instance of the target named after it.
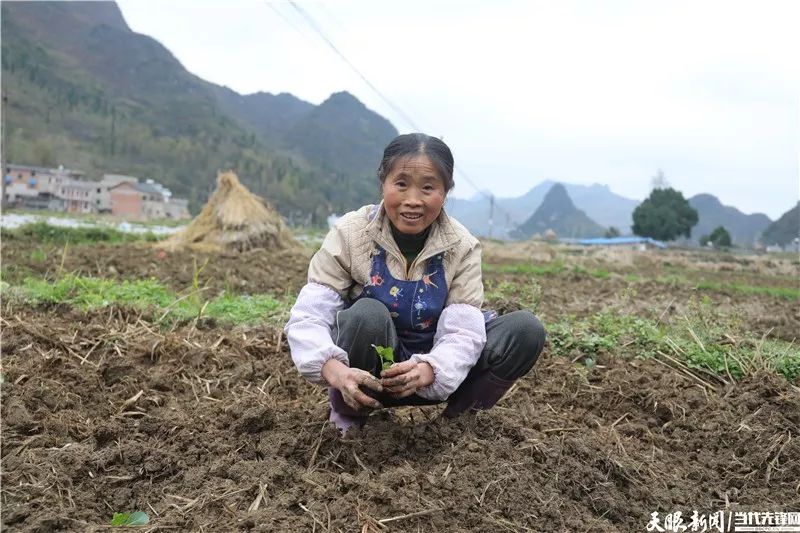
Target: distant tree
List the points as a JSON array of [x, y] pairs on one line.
[[664, 215], [719, 238], [612, 232]]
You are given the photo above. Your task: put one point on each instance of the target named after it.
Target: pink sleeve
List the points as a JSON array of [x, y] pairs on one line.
[[457, 345], [309, 330]]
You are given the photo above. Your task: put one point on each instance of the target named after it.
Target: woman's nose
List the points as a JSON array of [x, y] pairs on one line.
[[413, 198]]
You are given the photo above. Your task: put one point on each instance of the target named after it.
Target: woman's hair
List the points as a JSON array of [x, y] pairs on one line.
[[412, 144]]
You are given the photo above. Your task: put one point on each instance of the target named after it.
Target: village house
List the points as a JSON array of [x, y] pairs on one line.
[[177, 209], [77, 196], [148, 200], [142, 201], [103, 193], [60, 189], [35, 187]]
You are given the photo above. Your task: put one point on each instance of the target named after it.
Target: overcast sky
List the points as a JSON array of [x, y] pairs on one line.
[[579, 92]]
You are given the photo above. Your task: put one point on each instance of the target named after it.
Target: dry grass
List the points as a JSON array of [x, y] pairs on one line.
[[233, 219]]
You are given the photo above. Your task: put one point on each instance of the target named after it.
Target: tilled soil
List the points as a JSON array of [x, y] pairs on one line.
[[581, 296], [252, 272], [213, 430], [263, 271]]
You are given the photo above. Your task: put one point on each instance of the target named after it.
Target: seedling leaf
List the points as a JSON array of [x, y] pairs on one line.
[[386, 353], [137, 518]]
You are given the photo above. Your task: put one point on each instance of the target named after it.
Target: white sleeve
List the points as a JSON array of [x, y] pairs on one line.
[[457, 345], [309, 330]]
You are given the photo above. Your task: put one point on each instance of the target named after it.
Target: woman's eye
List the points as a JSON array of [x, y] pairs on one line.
[[400, 183]]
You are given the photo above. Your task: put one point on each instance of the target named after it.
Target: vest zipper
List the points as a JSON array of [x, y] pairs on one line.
[[402, 259], [426, 257], [391, 249]]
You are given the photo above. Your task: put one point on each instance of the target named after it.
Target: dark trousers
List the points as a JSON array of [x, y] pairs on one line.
[[513, 344]]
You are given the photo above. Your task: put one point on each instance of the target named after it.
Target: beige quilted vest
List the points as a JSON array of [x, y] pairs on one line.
[[344, 261]]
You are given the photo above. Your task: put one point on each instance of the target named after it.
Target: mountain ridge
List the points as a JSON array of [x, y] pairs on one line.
[[744, 229], [87, 92], [597, 201], [558, 213], [784, 230]]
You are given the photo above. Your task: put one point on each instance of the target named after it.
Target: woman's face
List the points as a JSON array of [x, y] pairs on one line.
[[413, 194]]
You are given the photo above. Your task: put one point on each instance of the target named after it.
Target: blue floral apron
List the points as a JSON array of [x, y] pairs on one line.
[[415, 306]]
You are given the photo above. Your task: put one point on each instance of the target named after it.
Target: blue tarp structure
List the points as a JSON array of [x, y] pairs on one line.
[[612, 241]]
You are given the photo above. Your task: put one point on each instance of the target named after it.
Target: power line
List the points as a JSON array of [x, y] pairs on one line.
[[315, 27], [286, 19], [493, 205], [318, 30]]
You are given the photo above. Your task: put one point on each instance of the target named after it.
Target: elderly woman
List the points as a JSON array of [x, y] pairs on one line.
[[403, 274]]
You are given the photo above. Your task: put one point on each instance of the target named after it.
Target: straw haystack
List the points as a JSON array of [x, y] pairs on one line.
[[234, 219]]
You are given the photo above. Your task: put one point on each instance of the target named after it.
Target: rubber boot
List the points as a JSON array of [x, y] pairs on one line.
[[342, 416], [479, 393]]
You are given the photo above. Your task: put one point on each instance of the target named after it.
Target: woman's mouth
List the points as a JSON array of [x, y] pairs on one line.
[[411, 217]]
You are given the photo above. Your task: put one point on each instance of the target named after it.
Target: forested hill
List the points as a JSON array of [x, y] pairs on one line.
[[86, 92], [743, 229], [558, 213], [784, 230]]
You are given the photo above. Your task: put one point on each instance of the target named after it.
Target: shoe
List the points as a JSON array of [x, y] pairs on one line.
[[480, 393], [343, 417]]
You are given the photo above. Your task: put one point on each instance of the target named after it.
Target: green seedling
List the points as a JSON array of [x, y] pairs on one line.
[[38, 256], [137, 518], [386, 354]]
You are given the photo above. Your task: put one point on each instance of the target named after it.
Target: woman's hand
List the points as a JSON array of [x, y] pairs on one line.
[[347, 381], [404, 379]]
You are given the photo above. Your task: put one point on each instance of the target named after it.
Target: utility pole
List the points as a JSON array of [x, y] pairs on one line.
[[491, 215], [3, 151], [659, 181]]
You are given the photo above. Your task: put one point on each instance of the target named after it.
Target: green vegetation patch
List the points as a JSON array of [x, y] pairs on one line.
[[547, 269], [45, 233], [505, 296], [556, 267], [788, 293], [675, 278], [606, 332], [244, 309], [92, 293], [696, 343]]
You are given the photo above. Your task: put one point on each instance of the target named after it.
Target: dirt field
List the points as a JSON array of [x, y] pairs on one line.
[[209, 428], [223, 418], [260, 271], [254, 272]]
